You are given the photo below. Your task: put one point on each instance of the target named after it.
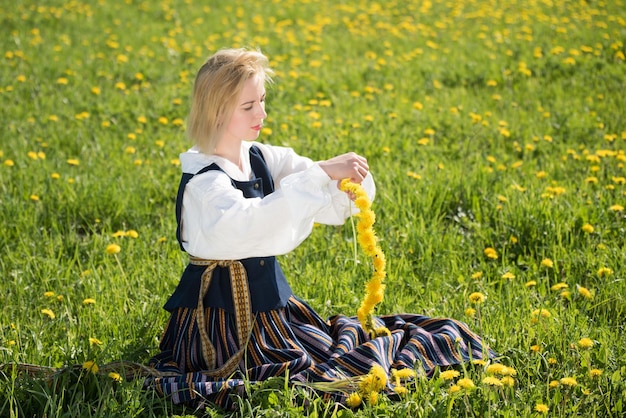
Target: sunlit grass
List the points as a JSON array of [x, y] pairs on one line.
[[493, 126]]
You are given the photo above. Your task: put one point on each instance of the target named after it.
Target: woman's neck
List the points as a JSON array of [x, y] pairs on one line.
[[230, 150]]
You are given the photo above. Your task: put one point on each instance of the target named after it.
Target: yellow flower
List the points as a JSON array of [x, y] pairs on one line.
[[491, 253], [48, 313], [584, 292], [496, 368], [115, 376], [466, 383], [541, 312], [400, 390], [470, 312], [604, 271], [477, 298], [559, 286], [546, 262], [508, 381], [449, 374], [372, 398], [531, 283], [477, 275], [585, 343], [569, 381], [588, 228], [354, 400], [535, 348], [403, 374], [113, 249], [542, 408], [89, 301], [90, 366], [454, 389], [595, 372], [48, 294], [94, 341], [492, 381], [616, 208], [508, 275]]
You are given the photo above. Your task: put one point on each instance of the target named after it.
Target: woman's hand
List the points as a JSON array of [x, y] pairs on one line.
[[350, 165]]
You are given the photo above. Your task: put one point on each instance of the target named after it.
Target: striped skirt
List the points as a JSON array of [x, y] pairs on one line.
[[298, 340]]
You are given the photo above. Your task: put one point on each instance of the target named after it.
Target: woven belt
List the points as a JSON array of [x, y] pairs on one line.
[[243, 313]]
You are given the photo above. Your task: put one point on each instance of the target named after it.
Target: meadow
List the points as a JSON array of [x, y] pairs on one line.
[[495, 130]]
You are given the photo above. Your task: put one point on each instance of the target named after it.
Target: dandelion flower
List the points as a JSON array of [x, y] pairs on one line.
[[466, 383], [584, 292], [542, 408], [403, 374], [530, 283], [113, 249], [401, 390], [588, 228], [508, 275], [454, 389], [48, 294], [90, 366], [470, 312], [547, 263], [492, 381], [491, 253], [477, 298], [354, 400], [604, 272], [559, 286], [48, 313], [508, 381], [115, 376], [89, 301], [372, 398], [477, 275], [94, 341], [568, 381], [541, 312], [585, 343], [449, 374], [535, 348], [616, 208], [554, 384], [495, 368], [595, 372]]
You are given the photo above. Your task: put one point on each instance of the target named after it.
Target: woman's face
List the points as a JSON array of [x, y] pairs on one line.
[[247, 118]]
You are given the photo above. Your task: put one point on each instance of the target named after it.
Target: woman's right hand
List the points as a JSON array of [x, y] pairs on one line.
[[349, 165]]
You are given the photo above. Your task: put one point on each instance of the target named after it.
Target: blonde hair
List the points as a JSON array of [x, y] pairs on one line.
[[216, 88]]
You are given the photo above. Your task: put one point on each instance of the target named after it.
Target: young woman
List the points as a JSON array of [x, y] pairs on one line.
[[240, 204]]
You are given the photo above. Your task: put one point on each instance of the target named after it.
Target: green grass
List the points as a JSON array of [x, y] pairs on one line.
[[496, 124]]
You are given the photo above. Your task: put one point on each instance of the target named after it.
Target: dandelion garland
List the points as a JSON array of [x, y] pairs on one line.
[[368, 241]]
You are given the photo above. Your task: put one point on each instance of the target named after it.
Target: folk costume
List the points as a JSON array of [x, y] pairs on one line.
[[233, 314]]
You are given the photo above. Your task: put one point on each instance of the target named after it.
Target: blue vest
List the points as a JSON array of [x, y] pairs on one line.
[[269, 289]]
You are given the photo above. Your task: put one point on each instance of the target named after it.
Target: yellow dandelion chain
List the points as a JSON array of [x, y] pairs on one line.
[[368, 241]]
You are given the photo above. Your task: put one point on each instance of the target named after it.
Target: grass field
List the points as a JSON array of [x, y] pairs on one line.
[[496, 131]]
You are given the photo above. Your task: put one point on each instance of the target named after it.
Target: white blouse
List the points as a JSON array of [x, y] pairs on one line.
[[219, 223]]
